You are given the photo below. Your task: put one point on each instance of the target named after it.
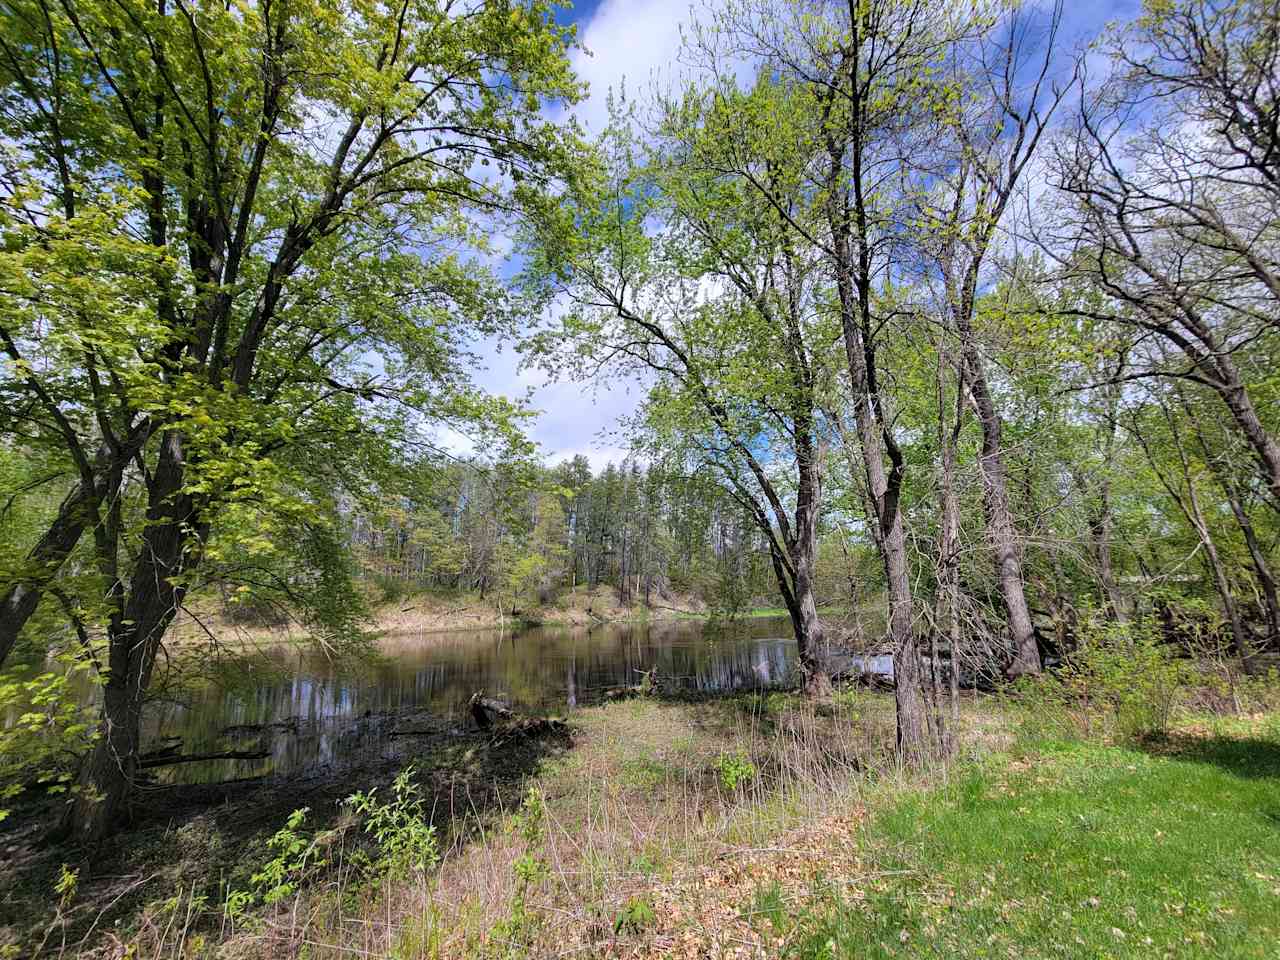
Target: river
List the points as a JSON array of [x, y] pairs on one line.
[[310, 715]]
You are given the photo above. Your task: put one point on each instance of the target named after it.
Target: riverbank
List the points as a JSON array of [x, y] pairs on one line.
[[421, 614], [752, 825]]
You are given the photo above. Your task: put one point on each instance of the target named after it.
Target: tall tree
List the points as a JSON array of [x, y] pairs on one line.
[[211, 233], [1171, 201], [994, 117], [718, 308]]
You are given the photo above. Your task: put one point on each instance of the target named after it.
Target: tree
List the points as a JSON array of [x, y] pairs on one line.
[[682, 274], [228, 270], [1171, 201], [862, 73], [995, 119]]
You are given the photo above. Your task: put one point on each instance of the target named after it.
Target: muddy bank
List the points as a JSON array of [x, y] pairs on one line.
[[205, 839]]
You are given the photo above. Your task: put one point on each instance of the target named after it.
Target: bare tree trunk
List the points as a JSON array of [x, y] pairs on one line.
[[1257, 555], [947, 618], [1239, 640], [1102, 524], [1190, 507], [851, 260], [1000, 528]]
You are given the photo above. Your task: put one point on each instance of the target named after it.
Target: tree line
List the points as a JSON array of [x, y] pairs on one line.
[[523, 537], [924, 300]]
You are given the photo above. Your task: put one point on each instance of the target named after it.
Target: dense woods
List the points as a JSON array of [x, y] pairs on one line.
[[958, 336]]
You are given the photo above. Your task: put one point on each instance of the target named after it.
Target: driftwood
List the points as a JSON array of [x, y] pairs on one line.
[[484, 710]]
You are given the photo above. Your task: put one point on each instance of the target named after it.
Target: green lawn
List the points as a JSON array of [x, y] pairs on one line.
[[1083, 851]]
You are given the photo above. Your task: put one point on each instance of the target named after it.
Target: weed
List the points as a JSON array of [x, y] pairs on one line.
[[643, 772], [735, 770], [296, 855], [769, 907], [518, 929], [636, 914], [405, 840]]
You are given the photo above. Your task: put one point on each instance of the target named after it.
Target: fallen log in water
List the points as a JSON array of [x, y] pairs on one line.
[[165, 758]]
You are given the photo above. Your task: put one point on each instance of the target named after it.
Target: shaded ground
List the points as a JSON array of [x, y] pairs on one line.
[[204, 839]]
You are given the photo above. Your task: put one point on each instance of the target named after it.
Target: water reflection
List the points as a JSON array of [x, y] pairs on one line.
[[323, 714]]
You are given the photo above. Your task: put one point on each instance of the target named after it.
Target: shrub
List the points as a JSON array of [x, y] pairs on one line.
[[405, 840], [735, 769], [1120, 675]]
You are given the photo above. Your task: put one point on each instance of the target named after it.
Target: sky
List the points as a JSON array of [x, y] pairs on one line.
[[633, 43]]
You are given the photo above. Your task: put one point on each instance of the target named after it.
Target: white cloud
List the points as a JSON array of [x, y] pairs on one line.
[[630, 44]]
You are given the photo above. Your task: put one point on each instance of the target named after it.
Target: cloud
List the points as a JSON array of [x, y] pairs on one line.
[[629, 44], [633, 45]]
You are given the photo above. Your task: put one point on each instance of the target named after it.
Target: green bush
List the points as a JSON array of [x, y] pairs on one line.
[[735, 769], [405, 840], [1121, 681]]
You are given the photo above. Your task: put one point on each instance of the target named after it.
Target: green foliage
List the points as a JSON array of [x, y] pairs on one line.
[[297, 856], [391, 589], [735, 770], [406, 841], [512, 934], [66, 885], [1121, 681], [51, 724], [768, 911], [636, 914]]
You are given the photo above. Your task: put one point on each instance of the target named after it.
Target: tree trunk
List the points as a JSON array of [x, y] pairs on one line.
[[811, 642], [947, 611], [1102, 523], [171, 547], [1190, 507], [852, 268], [1261, 569], [1000, 528], [1239, 641]]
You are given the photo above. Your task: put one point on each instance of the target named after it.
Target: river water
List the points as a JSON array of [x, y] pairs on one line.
[[311, 715]]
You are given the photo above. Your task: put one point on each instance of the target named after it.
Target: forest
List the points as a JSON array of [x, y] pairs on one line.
[[953, 337]]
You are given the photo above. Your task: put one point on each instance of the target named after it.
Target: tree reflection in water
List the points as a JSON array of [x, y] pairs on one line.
[[314, 713]]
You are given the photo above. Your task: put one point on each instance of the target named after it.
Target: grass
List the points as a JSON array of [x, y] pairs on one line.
[[761, 825], [1080, 851], [640, 797]]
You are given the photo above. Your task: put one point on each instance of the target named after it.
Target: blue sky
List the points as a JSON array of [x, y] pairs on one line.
[[635, 42]]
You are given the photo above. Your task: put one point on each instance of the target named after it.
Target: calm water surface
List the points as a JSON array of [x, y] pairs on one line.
[[312, 715]]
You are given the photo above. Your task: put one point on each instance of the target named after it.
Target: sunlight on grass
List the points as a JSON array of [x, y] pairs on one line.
[[1086, 851]]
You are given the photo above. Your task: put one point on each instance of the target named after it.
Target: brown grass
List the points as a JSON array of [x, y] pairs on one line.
[[648, 851]]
